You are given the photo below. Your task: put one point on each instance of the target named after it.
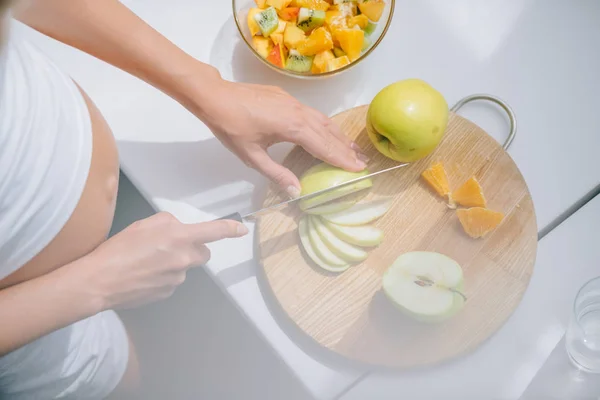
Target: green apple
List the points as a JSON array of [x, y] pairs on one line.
[[342, 249], [407, 120], [323, 176], [338, 205], [366, 236], [303, 231], [321, 248], [360, 214], [425, 285]]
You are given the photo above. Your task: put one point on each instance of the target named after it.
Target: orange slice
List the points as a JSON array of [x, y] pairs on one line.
[[479, 221], [469, 194], [436, 177]]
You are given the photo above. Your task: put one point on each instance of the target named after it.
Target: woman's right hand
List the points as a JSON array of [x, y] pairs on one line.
[[149, 259]]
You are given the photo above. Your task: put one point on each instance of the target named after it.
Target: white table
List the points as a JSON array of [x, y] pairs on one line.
[[540, 56]]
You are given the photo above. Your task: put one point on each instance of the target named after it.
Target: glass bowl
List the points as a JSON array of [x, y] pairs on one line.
[[240, 13]]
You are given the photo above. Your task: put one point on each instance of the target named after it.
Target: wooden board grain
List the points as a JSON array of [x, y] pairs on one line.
[[348, 312]]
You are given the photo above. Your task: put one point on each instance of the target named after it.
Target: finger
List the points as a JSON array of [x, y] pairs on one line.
[[201, 255], [325, 146], [332, 127], [283, 177], [207, 232]]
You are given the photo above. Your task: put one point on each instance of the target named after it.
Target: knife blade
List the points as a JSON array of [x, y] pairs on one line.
[[255, 214]]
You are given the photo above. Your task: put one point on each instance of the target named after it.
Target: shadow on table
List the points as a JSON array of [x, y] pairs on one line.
[[232, 57]]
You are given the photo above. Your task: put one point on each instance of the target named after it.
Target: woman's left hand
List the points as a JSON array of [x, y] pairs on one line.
[[249, 118]]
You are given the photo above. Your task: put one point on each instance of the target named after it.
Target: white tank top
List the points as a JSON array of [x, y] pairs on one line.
[[45, 150]]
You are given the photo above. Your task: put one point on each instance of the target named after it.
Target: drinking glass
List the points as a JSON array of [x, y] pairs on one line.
[[583, 333]]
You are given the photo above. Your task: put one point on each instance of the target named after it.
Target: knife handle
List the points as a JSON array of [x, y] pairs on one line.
[[235, 217]]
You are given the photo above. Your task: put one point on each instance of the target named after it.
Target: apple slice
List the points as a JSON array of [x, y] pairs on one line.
[[366, 235], [305, 240], [321, 248], [360, 214], [323, 176], [341, 204], [425, 285], [342, 249]]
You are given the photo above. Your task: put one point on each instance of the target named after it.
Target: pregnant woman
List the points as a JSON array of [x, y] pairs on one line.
[[60, 278]]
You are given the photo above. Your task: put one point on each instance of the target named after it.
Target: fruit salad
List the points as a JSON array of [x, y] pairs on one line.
[[313, 36]]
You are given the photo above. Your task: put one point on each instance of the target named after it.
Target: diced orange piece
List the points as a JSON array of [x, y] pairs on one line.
[[252, 25], [372, 9], [335, 18], [312, 4], [261, 3], [436, 177], [469, 194], [479, 221], [319, 40], [289, 13], [351, 41], [361, 20], [277, 56], [337, 63], [279, 4], [319, 64]]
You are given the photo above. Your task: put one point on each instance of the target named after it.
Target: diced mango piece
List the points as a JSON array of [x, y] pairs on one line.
[[292, 36], [338, 52], [372, 9], [252, 25], [289, 13], [320, 61], [351, 41], [337, 63], [262, 45], [360, 20], [277, 56], [312, 4], [318, 41], [261, 3], [279, 4]]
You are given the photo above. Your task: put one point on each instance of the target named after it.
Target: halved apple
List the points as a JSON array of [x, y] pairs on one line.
[[303, 231], [338, 205], [342, 249], [323, 176], [360, 214], [425, 285], [366, 236], [321, 248]]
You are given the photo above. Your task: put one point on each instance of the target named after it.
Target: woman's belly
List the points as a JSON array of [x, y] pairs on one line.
[[91, 220]]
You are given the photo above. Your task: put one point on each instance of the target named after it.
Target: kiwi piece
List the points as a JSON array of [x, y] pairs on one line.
[[338, 52], [366, 43], [298, 63], [267, 20], [370, 28], [310, 19]]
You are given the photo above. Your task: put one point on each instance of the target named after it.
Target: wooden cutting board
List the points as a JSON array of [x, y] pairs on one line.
[[348, 313]]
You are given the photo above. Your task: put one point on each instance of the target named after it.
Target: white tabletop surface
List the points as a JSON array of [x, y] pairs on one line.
[[540, 56]]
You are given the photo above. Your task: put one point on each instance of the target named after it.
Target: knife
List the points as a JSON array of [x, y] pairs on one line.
[[255, 214]]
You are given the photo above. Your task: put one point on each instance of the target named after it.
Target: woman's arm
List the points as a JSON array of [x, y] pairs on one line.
[[246, 118], [37, 307], [143, 263], [111, 32]]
